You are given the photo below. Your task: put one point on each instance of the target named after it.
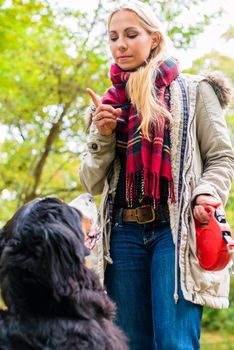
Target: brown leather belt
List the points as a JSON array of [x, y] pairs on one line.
[[143, 215]]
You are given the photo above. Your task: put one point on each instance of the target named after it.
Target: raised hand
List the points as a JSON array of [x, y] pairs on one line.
[[105, 116]]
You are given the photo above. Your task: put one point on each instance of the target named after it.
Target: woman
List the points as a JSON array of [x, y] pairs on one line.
[[158, 151]]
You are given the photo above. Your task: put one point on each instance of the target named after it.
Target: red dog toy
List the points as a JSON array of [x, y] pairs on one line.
[[215, 246]]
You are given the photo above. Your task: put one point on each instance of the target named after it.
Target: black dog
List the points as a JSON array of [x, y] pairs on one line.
[[53, 301]]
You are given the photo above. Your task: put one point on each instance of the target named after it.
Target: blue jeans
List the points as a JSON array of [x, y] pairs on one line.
[[141, 281]]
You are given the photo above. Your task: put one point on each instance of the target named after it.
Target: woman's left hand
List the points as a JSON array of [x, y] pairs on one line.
[[202, 201]]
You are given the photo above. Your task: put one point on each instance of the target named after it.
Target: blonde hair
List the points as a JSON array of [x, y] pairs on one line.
[[141, 83]]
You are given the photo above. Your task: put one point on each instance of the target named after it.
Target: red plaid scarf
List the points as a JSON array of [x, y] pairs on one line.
[[148, 169]]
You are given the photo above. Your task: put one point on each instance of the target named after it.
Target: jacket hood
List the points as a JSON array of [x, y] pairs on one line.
[[222, 86]]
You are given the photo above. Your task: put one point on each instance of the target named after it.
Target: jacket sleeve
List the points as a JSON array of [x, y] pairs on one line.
[[215, 146], [96, 161]]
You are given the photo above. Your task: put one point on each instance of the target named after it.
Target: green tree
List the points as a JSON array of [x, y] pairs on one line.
[[45, 70], [175, 14]]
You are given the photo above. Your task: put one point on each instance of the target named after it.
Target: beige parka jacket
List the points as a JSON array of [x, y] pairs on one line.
[[202, 163]]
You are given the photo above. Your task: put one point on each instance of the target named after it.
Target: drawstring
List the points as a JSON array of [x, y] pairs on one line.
[[176, 295], [107, 256]]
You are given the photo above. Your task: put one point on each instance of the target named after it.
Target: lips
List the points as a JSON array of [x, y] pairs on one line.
[[123, 57]]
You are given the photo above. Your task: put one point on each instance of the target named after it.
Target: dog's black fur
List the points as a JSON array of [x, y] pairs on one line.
[[53, 300]]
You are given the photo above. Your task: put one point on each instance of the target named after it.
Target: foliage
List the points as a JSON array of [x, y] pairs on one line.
[[229, 34], [220, 320], [43, 97], [215, 61], [217, 341], [175, 15]]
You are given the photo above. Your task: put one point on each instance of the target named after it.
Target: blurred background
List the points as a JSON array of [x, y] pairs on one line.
[[50, 52]]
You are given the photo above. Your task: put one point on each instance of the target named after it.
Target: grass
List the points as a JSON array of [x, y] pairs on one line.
[[217, 341]]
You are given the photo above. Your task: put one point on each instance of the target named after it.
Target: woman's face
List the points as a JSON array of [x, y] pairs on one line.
[[130, 43]]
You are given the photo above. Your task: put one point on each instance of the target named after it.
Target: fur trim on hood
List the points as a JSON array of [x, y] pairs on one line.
[[222, 86]]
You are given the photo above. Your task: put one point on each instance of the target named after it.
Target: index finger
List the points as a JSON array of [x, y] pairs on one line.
[[94, 97]]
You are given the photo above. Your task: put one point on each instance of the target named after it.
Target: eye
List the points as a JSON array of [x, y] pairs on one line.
[[113, 39], [132, 36]]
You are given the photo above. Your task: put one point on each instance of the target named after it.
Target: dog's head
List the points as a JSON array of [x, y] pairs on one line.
[[42, 255]]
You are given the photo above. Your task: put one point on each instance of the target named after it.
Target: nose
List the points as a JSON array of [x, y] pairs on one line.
[[121, 44]]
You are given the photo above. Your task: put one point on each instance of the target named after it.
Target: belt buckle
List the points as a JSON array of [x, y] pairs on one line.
[[140, 215]]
